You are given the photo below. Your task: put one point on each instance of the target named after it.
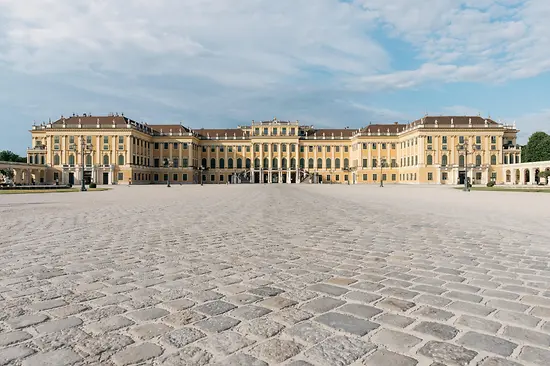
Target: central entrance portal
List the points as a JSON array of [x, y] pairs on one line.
[[461, 176]]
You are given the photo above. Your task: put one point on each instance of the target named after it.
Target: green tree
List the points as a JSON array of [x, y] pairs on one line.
[[6, 155], [537, 148]]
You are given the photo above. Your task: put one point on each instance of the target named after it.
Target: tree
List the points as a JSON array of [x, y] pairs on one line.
[[6, 155], [537, 148], [8, 173]]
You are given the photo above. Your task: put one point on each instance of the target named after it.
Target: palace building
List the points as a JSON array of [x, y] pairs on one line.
[[115, 149]]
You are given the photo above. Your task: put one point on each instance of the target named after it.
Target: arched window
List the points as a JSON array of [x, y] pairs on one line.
[[266, 163], [284, 163], [292, 163], [275, 164], [319, 163], [310, 163], [429, 160], [105, 159], [212, 163], [302, 163], [222, 163], [493, 160], [478, 160], [88, 159], [71, 159], [230, 163], [203, 162], [328, 163], [337, 163], [248, 162], [121, 160], [461, 161], [257, 163], [346, 163], [56, 160], [239, 163], [444, 160]]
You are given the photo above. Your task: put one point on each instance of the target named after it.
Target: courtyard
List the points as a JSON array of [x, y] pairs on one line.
[[275, 274]]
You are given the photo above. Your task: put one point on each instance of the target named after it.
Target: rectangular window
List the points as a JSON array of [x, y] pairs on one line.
[[105, 139], [120, 176], [265, 131], [165, 177], [384, 146], [204, 149], [310, 148], [364, 146], [221, 148], [493, 139], [283, 147], [430, 139], [374, 163], [284, 131], [328, 148], [478, 139], [257, 148], [239, 148], [185, 162], [319, 148], [265, 147], [175, 177], [184, 177], [444, 176], [221, 178], [213, 149], [156, 145], [394, 177], [430, 176], [337, 149], [176, 163], [230, 149], [384, 176], [175, 145], [156, 163], [185, 145], [345, 177], [248, 149], [293, 131], [337, 177], [345, 149], [256, 131], [274, 147], [460, 139], [71, 139], [293, 148], [494, 176], [275, 131], [365, 176], [212, 177], [165, 146], [56, 140], [156, 177], [375, 177], [365, 163], [374, 145]]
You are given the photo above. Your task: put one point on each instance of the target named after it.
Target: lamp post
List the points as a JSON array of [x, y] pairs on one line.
[[382, 163], [201, 169], [168, 164], [83, 148], [464, 147]]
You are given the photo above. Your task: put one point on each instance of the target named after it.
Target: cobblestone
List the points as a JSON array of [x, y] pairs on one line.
[[268, 274]]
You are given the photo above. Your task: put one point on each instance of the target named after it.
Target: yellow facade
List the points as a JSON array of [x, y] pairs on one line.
[[117, 150]]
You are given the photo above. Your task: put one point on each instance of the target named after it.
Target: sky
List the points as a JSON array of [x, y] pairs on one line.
[[223, 63]]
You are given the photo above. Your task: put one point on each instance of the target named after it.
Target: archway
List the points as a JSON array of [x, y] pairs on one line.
[[537, 176], [508, 176], [526, 176], [518, 176]]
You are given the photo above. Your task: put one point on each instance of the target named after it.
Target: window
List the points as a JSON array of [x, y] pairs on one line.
[[328, 164], [165, 177], [230, 163], [175, 177], [375, 177], [56, 160], [328, 148], [212, 163], [257, 148], [319, 148], [429, 160], [478, 160], [374, 163], [105, 159], [71, 139], [430, 139], [284, 131], [283, 147], [493, 139], [346, 163], [337, 163], [257, 163], [345, 149], [175, 145], [266, 148], [293, 163], [365, 163], [384, 146], [337, 148], [310, 163], [310, 149], [265, 131], [301, 148], [444, 139], [337, 177], [345, 177], [461, 161], [256, 131], [222, 163], [185, 163], [275, 164], [156, 177], [156, 145], [165, 148], [302, 163], [293, 148], [460, 139], [56, 139], [71, 160], [274, 148], [88, 159], [494, 176], [394, 177], [430, 176], [393, 146], [493, 159], [284, 163], [275, 131], [444, 160], [120, 176], [374, 145], [444, 176], [319, 163], [384, 176], [393, 163], [364, 146], [221, 178], [239, 148], [478, 139], [293, 131], [365, 177], [221, 148]]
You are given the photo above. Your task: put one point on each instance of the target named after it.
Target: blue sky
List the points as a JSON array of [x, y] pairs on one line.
[[220, 63]]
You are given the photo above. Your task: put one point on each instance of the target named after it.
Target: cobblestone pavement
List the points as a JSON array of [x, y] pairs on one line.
[[276, 274]]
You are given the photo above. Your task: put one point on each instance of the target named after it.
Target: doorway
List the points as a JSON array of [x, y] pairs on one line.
[[87, 177], [105, 178], [461, 176], [71, 178]]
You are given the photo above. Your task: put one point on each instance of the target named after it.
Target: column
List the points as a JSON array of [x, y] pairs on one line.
[[280, 162], [129, 150], [270, 162], [170, 149], [297, 163], [421, 151], [191, 157], [180, 148], [225, 156]]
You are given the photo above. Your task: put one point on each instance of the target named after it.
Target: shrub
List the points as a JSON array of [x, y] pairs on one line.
[[93, 185], [491, 184]]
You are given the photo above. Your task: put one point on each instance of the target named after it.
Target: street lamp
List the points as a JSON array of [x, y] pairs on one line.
[[201, 169], [464, 147], [168, 164], [382, 163], [83, 148]]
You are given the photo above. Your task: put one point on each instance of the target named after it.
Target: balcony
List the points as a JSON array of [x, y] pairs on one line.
[[37, 148], [511, 147]]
